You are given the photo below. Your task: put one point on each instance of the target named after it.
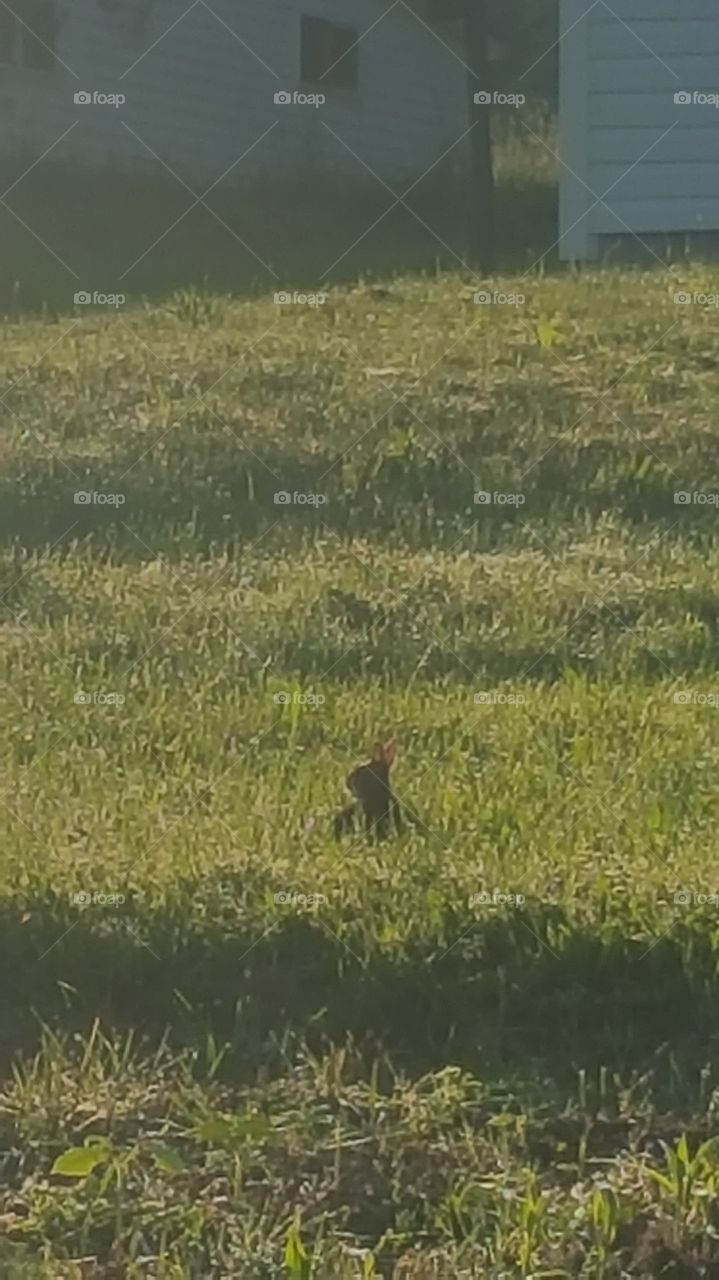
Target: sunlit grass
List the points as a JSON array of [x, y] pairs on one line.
[[579, 787]]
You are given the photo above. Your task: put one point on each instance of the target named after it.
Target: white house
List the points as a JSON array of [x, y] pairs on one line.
[[639, 124], [229, 89]]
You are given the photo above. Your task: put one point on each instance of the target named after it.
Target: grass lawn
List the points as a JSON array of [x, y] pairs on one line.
[[232, 1046]]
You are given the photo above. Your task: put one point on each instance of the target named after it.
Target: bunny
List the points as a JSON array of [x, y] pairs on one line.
[[369, 785]]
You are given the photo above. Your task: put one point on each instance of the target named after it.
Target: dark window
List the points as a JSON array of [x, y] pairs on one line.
[[329, 54], [8, 35], [38, 34]]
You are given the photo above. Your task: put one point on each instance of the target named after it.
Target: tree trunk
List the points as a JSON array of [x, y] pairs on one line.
[[482, 242]]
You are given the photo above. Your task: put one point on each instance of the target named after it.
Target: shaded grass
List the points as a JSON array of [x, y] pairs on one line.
[[536, 990], [66, 228], [198, 1174]]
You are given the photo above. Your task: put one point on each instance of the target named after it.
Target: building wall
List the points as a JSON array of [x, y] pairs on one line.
[[200, 93], [653, 161]]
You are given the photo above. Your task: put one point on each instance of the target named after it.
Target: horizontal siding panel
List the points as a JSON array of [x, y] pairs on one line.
[[668, 40], [651, 181], [655, 10], [646, 74], [641, 110], [626, 146], [670, 214]]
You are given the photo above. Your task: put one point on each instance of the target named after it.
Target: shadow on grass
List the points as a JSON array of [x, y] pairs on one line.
[[220, 490], [534, 993], [144, 242]]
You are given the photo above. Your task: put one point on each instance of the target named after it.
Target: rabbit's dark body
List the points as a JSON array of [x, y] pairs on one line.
[[370, 786]]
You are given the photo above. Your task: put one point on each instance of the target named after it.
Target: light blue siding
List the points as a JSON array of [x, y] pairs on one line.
[[200, 88], [625, 136]]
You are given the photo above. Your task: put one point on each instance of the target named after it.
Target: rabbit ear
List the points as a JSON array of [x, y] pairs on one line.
[[378, 753], [389, 752]]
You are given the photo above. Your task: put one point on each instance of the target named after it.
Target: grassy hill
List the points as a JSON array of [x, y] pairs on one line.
[[486, 1048]]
